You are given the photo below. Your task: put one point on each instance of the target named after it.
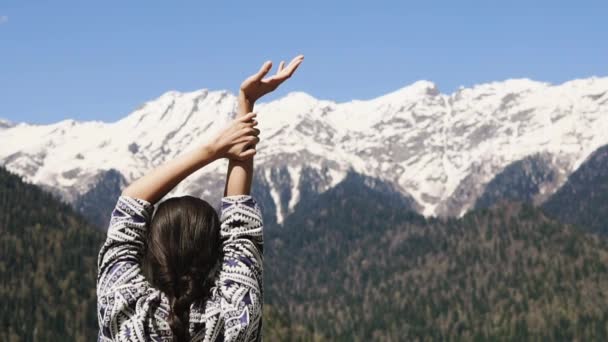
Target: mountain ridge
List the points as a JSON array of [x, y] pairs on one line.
[[440, 149]]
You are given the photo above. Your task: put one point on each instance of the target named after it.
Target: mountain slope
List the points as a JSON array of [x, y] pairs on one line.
[[524, 180], [583, 200], [441, 149], [354, 266], [98, 202], [48, 258]]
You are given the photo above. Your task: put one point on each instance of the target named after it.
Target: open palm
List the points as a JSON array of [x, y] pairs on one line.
[[256, 86]]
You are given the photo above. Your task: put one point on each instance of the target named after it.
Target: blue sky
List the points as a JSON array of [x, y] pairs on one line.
[[99, 60]]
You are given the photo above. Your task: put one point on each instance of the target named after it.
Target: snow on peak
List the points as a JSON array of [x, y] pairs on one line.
[[509, 86], [423, 87], [298, 96], [415, 90], [426, 143]]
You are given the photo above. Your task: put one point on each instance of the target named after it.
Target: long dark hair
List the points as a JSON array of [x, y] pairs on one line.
[[183, 251]]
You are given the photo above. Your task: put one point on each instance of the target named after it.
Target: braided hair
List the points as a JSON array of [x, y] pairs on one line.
[[183, 252]]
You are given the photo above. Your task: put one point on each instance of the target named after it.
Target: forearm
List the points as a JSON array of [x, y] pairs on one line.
[[157, 183], [240, 173]]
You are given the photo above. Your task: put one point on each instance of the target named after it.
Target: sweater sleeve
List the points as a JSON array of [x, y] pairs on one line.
[[121, 286], [236, 301]]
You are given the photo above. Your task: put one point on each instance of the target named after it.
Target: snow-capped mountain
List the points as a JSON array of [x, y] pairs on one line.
[[440, 150]]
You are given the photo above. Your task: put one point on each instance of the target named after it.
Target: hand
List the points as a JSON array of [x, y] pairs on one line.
[[238, 139], [256, 86]]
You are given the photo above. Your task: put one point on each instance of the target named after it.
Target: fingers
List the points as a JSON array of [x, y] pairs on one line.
[[249, 142], [247, 117], [247, 132], [293, 65], [245, 124], [263, 70], [246, 127], [296, 59], [247, 153], [285, 72]]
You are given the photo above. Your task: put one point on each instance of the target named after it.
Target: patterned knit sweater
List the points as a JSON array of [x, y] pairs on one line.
[[130, 309]]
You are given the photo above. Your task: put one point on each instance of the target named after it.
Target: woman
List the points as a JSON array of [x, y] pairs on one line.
[[185, 274]]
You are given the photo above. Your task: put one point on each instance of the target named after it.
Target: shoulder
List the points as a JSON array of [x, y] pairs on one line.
[[239, 202], [247, 200], [241, 207], [132, 207]]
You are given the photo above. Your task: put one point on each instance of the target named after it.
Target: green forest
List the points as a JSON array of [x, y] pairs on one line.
[[48, 264], [504, 273], [352, 265]]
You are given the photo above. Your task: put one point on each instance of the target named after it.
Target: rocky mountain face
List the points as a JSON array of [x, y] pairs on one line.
[[446, 153], [525, 180], [98, 202], [583, 200]]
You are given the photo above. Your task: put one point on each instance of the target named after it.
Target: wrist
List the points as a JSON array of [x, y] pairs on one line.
[[245, 102], [209, 152]]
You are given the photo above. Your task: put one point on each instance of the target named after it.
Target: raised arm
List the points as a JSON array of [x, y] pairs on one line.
[[229, 143], [240, 173], [122, 290]]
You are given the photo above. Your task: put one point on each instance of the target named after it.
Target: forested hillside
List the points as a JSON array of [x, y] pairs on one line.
[[352, 266], [48, 263], [349, 265]]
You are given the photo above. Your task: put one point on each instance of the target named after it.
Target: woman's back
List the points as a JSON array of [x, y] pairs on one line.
[[130, 309], [185, 241]]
